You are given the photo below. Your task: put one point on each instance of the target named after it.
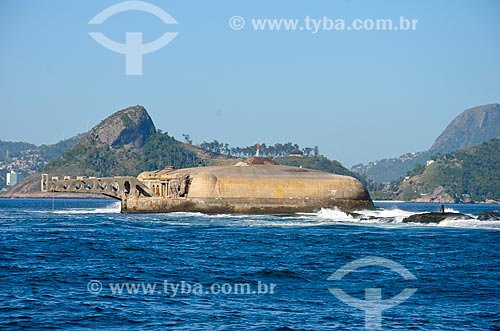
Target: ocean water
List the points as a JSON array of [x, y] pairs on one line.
[[83, 265]]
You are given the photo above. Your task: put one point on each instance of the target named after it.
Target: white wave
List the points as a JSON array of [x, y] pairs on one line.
[[327, 216], [334, 214], [186, 214], [397, 214], [382, 216], [470, 224], [113, 208]]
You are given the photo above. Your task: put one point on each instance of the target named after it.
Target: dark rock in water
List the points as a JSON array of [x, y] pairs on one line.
[[435, 218], [362, 217], [489, 216]]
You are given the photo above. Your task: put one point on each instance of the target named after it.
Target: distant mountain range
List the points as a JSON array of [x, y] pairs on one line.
[[387, 170], [128, 143], [472, 127]]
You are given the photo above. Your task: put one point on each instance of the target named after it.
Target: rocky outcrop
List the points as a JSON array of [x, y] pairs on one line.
[[470, 128], [128, 127], [441, 195], [434, 218], [489, 216]]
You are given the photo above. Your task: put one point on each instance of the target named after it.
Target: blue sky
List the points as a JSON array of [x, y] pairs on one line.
[[359, 95]]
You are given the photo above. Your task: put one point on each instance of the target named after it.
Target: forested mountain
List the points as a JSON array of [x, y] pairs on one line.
[[467, 175]]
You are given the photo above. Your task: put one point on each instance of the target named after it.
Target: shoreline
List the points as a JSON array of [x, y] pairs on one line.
[[487, 202], [50, 195]]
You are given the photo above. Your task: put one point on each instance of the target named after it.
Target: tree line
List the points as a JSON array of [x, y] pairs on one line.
[[276, 150]]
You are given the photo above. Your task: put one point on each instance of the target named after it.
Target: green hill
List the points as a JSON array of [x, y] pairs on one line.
[[387, 170], [10, 149], [125, 143], [467, 175], [52, 152]]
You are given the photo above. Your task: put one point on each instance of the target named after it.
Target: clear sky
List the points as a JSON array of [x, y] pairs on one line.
[[359, 95]]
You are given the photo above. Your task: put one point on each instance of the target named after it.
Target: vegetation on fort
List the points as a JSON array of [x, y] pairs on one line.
[[276, 150]]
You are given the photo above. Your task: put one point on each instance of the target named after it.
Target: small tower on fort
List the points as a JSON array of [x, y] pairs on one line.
[[257, 153]]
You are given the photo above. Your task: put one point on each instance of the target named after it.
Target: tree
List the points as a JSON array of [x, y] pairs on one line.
[[187, 138], [307, 151], [316, 151]]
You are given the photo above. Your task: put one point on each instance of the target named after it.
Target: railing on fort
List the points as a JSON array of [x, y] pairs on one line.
[[115, 187]]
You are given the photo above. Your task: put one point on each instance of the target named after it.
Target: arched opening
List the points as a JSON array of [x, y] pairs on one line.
[[126, 186]]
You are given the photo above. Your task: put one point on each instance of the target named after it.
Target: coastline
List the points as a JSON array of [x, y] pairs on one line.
[[50, 195], [487, 202]]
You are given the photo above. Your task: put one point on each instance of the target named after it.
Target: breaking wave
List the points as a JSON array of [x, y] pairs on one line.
[[113, 208], [381, 217], [394, 217]]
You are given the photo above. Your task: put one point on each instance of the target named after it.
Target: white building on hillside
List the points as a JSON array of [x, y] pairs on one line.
[[11, 178]]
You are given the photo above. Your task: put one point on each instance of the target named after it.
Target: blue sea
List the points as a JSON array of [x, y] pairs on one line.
[[84, 266]]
